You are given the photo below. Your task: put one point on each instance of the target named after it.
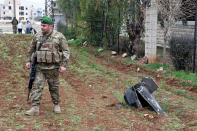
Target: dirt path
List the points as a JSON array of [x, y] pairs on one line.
[[91, 95]]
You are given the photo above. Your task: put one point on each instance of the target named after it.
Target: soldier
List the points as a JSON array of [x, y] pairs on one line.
[[14, 25], [52, 58]]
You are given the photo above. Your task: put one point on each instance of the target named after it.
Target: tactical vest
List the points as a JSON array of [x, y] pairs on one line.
[[49, 51], [14, 22]]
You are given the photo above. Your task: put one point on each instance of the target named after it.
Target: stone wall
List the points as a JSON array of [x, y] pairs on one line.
[[177, 30]]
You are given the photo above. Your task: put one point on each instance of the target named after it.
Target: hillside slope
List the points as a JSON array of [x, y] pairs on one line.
[[91, 94]]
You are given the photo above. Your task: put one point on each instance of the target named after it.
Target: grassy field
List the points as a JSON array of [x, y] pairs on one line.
[[92, 92]]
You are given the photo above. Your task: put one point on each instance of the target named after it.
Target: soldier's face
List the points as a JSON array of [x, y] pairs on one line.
[[46, 28]]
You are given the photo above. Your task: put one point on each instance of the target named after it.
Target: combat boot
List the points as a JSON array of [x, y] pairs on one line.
[[34, 111], [57, 109]]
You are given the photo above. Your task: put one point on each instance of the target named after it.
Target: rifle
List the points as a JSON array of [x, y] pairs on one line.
[[32, 75], [33, 68]]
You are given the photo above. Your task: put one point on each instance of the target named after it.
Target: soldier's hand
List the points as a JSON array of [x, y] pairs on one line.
[[62, 69], [28, 65]]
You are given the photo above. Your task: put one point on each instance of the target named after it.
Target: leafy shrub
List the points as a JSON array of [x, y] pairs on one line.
[[69, 32], [76, 42], [140, 49], [181, 52]]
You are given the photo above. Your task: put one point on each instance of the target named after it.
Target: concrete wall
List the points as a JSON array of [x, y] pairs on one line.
[[151, 32], [177, 30]]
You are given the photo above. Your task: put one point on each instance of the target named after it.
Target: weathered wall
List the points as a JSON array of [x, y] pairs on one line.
[[177, 30], [151, 32]]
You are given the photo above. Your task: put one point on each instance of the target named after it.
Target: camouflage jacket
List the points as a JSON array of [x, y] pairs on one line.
[[14, 22], [56, 40]]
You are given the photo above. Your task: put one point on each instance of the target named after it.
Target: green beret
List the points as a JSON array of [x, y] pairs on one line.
[[46, 20]]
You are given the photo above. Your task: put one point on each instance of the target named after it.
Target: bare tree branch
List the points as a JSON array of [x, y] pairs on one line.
[[169, 11]]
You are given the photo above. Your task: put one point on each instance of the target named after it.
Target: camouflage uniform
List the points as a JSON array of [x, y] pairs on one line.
[[14, 25], [53, 53]]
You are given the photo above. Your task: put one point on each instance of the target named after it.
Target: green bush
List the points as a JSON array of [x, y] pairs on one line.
[[140, 49], [76, 42], [69, 32], [181, 52]]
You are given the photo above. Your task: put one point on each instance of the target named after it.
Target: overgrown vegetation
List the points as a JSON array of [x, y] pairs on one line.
[[99, 22], [181, 52], [91, 94], [94, 20]]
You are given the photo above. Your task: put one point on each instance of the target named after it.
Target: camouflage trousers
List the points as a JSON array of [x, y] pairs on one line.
[[14, 29], [52, 78]]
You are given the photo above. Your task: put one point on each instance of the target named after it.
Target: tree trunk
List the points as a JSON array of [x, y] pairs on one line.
[[107, 36], [106, 16]]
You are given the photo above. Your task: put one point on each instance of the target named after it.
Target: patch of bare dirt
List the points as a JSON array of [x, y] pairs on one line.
[[193, 89], [118, 64], [91, 99]]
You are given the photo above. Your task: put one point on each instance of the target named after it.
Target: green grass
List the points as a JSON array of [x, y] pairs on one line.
[[174, 116], [85, 53], [96, 128], [141, 115], [20, 127], [188, 79], [173, 125], [118, 95], [128, 60], [157, 66], [76, 43], [184, 93], [111, 81], [194, 122], [93, 66]]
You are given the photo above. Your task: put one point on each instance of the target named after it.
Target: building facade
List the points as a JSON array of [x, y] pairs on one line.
[[59, 17], [36, 13], [7, 10]]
